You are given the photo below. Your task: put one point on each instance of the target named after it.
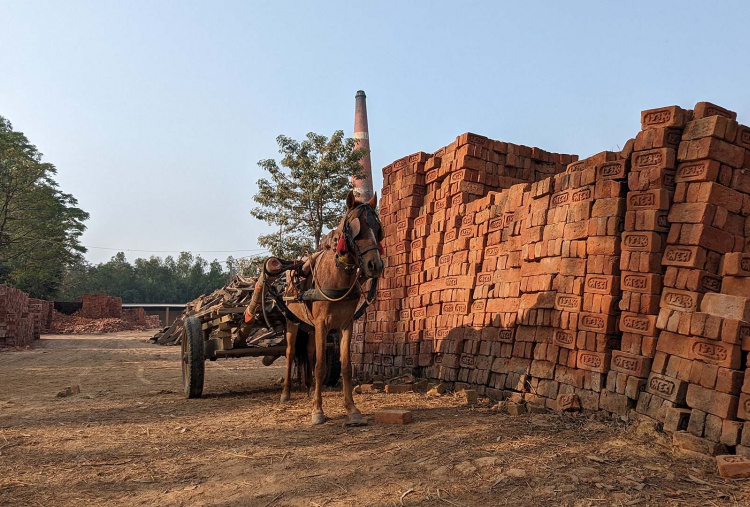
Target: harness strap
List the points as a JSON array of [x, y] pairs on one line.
[[368, 299]]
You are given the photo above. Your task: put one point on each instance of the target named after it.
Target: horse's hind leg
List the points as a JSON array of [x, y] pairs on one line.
[[291, 342], [310, 365], [355, 417], [318, 417]]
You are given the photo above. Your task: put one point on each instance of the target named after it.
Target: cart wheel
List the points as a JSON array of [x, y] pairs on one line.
[[193, 365], [333, 363]]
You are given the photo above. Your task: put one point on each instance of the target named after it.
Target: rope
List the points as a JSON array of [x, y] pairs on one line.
[[320, 287]]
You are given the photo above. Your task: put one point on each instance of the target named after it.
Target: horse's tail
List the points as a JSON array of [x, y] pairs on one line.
[[300, 358]]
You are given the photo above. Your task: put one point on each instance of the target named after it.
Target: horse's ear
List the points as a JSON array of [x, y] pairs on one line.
[[373, 202], [350, 199]]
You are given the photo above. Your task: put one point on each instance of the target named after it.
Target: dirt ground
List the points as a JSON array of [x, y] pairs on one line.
[[131, 438]]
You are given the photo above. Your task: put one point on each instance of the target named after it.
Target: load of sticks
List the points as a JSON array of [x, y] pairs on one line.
[[222, 309]]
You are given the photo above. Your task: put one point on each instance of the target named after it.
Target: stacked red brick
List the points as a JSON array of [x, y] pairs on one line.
[[514, 279], [698, 365], [100, 306], [21, 319]]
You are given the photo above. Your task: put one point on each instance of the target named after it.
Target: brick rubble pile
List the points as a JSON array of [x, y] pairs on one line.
[[619, 282]]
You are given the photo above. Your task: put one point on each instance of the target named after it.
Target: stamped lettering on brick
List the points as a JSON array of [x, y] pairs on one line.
[[590, 360], [467, 361], [636, 323], [448, 307], [679, 255], [694, 170], [736, 459], [451, 235], [584, 194], [710, 283], [599, 283], [387, 360], [441, 204], [564, 338], [419, 313], [451, 282], [635, 282], [710, 351], [568, 302], [560, 198], [505, 335], [592, 322], [432, 176], [484, 278], [496, 223], [461, 308], [466, 232], [611, 170], [679, 300], [745, 264], [662, 386], [413, 290], [417, 244], [475, 139], [649, 159], [626, 363], [478, 306], [637, 241], [642, 200], [492, 251], [565, 401], [657, 117], [576, 166], [662, 221]]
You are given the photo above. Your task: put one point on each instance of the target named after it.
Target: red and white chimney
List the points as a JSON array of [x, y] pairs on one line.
[[363, 190]]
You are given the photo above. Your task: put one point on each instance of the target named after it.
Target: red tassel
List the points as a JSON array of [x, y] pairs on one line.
[[382, 250], [341, 246]]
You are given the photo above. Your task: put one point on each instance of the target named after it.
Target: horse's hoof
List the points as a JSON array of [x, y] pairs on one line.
[[285, 397], [318, 419], [356, 420]]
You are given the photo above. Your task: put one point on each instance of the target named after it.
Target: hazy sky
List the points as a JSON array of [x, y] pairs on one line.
[[156, 113]]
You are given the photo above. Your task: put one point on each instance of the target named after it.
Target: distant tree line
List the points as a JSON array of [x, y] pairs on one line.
[[152, 280]]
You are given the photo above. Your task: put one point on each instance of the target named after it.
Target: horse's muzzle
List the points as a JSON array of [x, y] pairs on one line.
[[374, 267]]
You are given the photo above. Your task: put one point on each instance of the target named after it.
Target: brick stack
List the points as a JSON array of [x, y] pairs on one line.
[[698, 364], [20, 322], [621, 279], [41, 311], [100, 306], [649, 197]]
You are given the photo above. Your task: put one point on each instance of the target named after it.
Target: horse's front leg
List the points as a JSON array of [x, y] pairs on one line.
[[321, 333], [291, 343], [355, 417]]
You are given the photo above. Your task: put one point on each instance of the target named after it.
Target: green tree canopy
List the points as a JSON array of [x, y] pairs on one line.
[[152, 280], [40, 226], [305, 194]]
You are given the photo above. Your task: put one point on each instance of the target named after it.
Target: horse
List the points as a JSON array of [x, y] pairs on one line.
[[347, 258]]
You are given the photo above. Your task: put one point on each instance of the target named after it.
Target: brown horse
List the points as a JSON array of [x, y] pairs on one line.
[[348, 257]]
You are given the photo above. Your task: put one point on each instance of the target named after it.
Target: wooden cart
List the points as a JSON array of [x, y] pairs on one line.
[[212, 327]]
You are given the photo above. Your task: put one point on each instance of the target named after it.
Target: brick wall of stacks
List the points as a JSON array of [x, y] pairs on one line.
[[619, 281], [22, 319]]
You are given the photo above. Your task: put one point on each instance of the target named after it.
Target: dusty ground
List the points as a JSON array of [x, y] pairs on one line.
[[130, 438]]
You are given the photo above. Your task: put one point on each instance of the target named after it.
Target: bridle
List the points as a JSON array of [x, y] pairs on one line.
[[350, 233]]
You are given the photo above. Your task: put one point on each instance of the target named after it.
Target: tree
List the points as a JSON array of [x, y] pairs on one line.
[[152, 280], [306, 194], [40, 226]]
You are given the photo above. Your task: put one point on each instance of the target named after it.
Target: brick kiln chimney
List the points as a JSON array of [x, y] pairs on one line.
[[362, 187]]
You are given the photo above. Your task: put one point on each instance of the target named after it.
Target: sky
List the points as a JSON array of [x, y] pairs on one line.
[[157, 113]]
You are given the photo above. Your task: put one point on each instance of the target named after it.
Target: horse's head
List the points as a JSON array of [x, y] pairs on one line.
[[364, 232]]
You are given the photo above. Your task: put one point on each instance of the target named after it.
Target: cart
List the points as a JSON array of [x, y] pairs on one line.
[[212, 328]]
